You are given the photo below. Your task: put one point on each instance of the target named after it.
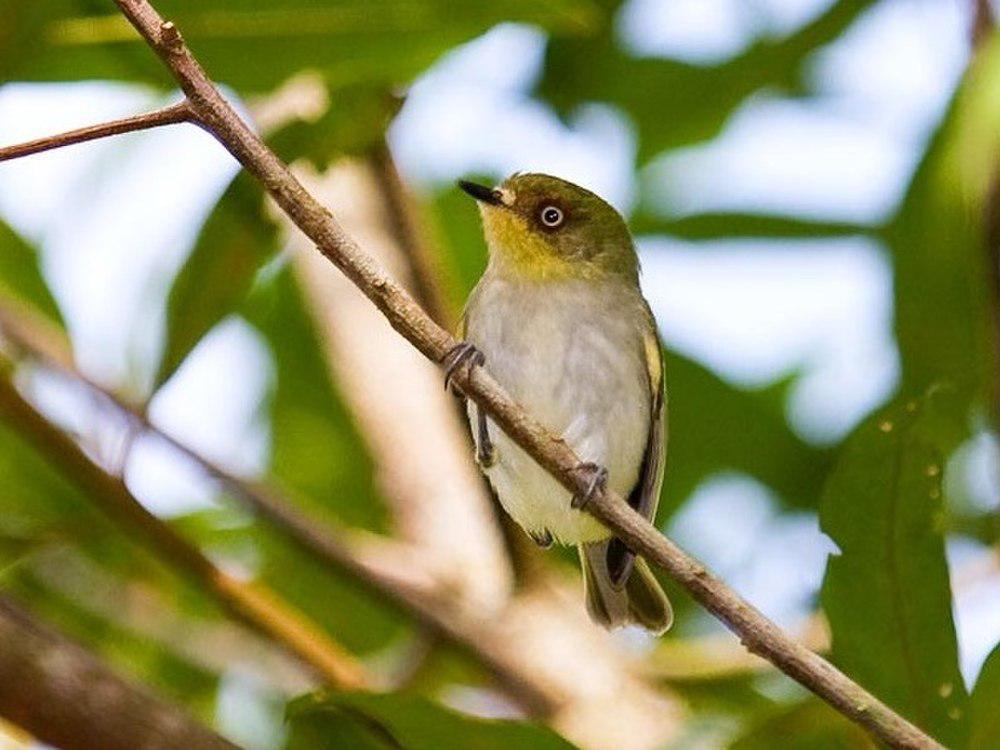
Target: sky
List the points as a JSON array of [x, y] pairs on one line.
[[752, 311]]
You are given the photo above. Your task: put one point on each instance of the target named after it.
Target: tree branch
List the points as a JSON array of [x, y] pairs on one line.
[[542, 682], [758, 633], [65, 697], [983, 23], [255, 605], [168, 116], [39, 341]]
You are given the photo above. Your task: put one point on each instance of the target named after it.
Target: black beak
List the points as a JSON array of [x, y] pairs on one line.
[[481, 193]]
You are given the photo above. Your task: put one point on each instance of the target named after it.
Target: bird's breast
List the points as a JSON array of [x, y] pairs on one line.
[[571, 353]]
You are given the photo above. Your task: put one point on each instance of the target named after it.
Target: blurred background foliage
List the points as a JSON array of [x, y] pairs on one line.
[[901, 478]]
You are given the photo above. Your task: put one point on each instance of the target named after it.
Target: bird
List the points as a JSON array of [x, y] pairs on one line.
[[559, 319]]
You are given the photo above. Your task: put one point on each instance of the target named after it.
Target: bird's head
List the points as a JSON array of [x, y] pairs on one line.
[[539, 226]]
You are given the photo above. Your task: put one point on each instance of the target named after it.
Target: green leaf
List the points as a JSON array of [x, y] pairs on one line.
[[254, 45], [37, 503], [236, 240], [673, 103], [359, 618], [318, 455], [356, 617], [886, 594], [938, 246], [405, 721], [21, 277], [714, 427], [316, 450], [985, 734], [733, 225], [806, 725]]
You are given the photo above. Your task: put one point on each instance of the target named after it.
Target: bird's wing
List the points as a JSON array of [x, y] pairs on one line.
[[646, 494]]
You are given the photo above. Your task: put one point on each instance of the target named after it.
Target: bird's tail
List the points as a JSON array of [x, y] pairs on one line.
[[640, 600]]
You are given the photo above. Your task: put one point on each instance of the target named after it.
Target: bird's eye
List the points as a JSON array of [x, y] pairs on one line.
[[551, 216]]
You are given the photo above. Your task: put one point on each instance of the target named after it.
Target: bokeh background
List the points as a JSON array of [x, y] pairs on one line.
[[807, 181]]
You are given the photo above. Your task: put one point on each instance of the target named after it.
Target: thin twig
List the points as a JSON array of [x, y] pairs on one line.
[[172, 115], [65, 696], [983, 22], [758, 633], [255, 605], [412, 238]]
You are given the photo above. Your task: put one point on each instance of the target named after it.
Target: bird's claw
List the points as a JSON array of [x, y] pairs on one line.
[[543, 538], [598, 482], [485, 455], [461, 354]]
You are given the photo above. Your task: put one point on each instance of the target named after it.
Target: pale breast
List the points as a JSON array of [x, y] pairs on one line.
[[572, 354]]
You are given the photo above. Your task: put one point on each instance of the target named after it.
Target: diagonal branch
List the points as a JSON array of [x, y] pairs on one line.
[[255, 605], [759, 634], [172, 115], [63, 695]]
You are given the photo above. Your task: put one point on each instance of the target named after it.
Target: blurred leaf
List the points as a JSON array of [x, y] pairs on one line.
[[393, 721], [236, 240], [732, 694], [316, 450], [352, 125], [21, 277], [14, 548], [318, 455], [253, 45], [715, 427], [726, 225], [985, 734], [36, 502], [938, 244], [338, 730], [673, 103], [886, 594], [807, 725], [360, 619], [48, 517]]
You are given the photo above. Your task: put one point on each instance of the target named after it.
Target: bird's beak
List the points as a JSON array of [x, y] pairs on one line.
[[481, 193]]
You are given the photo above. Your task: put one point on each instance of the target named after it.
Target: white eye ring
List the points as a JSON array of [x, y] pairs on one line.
[[551, 216]]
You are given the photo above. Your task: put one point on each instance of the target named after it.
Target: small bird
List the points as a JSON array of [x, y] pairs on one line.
[[560, 318]]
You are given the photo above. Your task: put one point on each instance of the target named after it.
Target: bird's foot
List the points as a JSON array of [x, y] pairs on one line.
[[462, 354], [543, 538], [485, 455], [597, 482]]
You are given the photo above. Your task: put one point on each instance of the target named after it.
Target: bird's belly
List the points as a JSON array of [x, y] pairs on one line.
[[583, 377]]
